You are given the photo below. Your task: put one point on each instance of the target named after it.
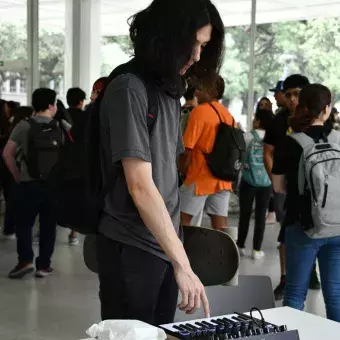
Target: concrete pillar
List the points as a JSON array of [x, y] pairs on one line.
[[83, 61], [17, 86], [33, 47]]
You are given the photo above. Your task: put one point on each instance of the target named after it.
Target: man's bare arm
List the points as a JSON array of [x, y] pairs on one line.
[[268, 158], [154, 213], [279, 184], [9, 158], [184, 161]]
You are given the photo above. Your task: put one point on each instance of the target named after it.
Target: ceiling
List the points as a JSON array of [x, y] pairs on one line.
[[114, 13]]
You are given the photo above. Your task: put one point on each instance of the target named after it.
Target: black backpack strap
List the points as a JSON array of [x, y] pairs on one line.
[[218, 114], [152, 114], [153, 106], [233, 124]]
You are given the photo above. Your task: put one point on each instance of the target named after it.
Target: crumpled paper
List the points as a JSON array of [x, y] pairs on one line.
[[125, 330]]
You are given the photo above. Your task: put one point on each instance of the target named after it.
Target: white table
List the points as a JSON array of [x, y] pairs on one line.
[[310, 327]]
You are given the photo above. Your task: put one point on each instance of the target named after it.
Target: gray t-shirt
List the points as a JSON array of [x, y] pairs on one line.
[[124, 134], [20, 137]]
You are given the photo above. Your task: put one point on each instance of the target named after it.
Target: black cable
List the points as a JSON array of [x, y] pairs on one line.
[[263, 321]]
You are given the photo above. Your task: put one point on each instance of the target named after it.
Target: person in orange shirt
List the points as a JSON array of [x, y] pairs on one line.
[[201, 189]]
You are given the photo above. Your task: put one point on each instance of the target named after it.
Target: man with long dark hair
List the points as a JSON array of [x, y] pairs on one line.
[[142, 261]]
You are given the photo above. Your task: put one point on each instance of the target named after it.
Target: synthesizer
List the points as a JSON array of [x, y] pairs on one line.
[[237, 326]]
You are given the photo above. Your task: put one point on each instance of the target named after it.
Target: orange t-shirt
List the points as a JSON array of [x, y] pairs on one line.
[[200, 137]]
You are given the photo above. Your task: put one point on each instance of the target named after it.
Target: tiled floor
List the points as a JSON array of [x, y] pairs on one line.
[[64, 305]]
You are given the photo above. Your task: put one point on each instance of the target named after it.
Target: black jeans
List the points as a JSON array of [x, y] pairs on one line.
[[10, 193], [134, 284], [33, 199], [247, 195]]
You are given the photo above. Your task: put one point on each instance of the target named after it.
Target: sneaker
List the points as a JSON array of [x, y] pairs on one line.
[[258, 254], [280, 289], [8, 237], [271, 218], [73, 241], [242, 251], [21, 270], [314, 283], [40, 273]]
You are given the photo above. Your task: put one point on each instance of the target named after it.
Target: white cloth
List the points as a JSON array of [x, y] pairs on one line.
[[248, 136], [125, 330]]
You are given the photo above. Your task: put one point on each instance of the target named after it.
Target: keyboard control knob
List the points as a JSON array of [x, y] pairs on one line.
[[283, 328]]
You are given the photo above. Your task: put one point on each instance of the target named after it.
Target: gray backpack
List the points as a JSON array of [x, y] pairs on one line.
[[319, 185]]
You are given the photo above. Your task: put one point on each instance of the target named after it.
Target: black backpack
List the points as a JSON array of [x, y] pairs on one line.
[[43, 149], [81, 196], [225, 160]]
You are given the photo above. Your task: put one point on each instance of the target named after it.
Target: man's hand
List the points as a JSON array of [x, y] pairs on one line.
[[9, 158], [192, 291]]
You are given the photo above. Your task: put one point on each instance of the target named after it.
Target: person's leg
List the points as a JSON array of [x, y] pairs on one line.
[[261, 206], [217, 206], [9, 221], [246, 199], [47, 234], [279, 202], [271, 216], [329, 262], [73, 238], [191, 205], [131, 281], [27, 206], [168, 296], [301, 255]]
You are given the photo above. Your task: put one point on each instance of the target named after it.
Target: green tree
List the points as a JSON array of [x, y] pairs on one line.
[[13, 46], [51, 58]]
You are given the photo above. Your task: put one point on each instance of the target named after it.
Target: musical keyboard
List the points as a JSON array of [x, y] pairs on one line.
[[236, 326]]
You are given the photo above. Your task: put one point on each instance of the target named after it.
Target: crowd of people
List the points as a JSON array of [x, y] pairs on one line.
[[139, 236]]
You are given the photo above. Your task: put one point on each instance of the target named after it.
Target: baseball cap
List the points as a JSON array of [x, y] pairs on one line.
[[278, 88]]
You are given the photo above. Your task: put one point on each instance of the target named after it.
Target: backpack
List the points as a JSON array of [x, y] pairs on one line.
[[254, 172], [319, 182], [81, 197], [43, 148], [225, 160]]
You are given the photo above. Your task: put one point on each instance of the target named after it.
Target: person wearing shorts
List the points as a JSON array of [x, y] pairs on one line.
[[201, 190]]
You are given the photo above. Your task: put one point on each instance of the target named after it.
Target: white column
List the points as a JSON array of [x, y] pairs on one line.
[[83, 62], [17, 86], [32, 47], [251, 66]]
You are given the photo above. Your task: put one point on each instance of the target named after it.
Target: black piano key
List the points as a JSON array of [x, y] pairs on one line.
[[243, 317], [239, 319], [182, 328], [233, 322], [208, 324]]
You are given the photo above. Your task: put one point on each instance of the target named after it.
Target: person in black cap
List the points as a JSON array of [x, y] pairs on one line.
[[279, 95]]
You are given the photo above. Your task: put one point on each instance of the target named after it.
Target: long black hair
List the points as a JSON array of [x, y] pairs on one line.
[[164, 35]]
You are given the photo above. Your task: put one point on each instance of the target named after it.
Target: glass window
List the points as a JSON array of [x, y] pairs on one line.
[[52, 25], [13, 50]]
